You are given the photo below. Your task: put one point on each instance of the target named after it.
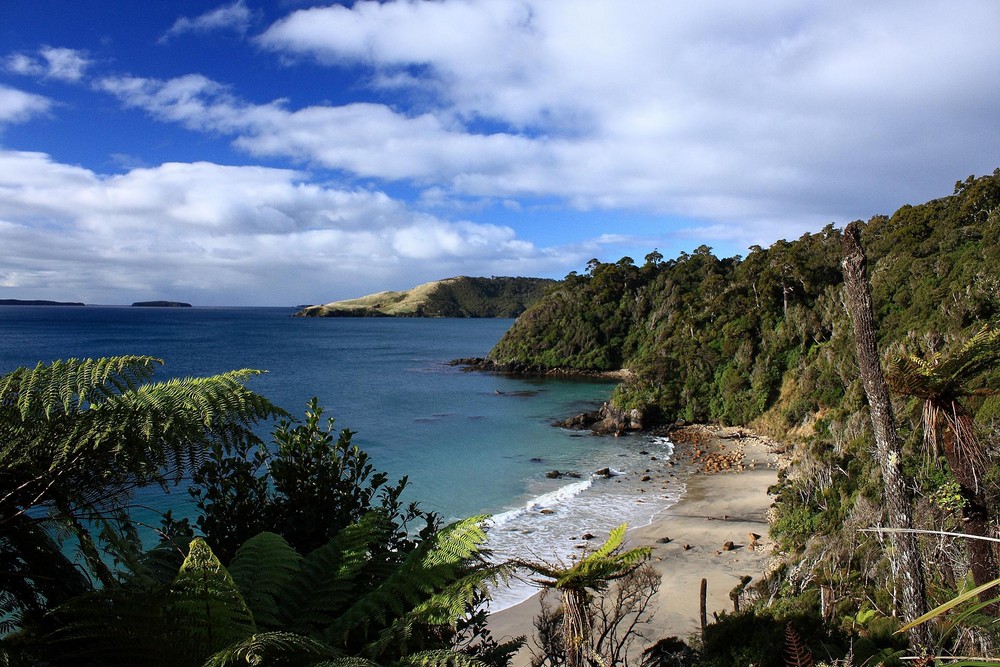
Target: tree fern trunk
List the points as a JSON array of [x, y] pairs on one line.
[[899, 510], [975, 514]]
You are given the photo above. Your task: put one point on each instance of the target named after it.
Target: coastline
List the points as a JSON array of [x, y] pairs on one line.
[[725, 500]]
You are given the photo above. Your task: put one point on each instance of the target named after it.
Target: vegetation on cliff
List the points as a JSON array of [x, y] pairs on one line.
[[453, 297], [766, 340], [712, 339]]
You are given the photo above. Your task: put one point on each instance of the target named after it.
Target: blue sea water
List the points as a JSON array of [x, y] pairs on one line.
[[470, 443]]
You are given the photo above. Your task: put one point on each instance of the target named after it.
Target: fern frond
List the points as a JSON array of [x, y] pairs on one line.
[[350, 661], [329, 579], [614, 541], [451, 603], [796, 652], [204, 595], [262, 569], [275, 648], [64, 387], [441, 658], [435, 564]]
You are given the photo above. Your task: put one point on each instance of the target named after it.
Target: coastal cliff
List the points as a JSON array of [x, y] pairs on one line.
[[462, 296]]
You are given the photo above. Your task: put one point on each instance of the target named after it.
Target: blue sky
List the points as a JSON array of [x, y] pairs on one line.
[[276, 153]]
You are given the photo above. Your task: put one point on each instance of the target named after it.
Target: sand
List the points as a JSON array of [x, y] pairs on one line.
[[717, 507]]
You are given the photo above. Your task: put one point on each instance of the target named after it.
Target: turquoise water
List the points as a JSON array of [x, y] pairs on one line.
[[470, 443]]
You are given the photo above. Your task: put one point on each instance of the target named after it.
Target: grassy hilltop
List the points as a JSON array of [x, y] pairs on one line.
[[452, 297]]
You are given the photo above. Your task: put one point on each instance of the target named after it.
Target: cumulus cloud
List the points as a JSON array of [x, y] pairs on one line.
[[50, 63], [234, 17], [234, 235], [17, 106], [758, 114], [709, 109]]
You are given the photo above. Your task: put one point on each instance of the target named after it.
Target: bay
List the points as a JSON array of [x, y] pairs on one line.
[[470, 443]]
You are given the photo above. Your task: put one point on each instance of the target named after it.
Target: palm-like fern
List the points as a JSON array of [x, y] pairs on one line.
[[324, 607], [577, 581], [941, 380], [77, 437], [181, 623]]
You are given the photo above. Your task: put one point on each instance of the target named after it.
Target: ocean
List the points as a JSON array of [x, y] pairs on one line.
[[470, 443]]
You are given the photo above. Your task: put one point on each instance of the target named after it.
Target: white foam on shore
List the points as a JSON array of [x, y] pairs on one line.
[[550, 526], [546, 501]]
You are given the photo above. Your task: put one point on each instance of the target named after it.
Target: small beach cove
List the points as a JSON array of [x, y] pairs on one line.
[[723, 499]]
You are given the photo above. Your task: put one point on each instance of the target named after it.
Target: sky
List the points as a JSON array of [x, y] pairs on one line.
[[285, 152]]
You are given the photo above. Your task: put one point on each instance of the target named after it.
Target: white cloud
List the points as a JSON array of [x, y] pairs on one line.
[[17, 106], [721, 112], [708, 109], [50, 63], [222, 234], [234, 17]]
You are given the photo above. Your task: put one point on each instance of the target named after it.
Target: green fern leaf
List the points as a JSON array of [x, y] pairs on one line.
[[262, 568], [205, 596], [274, 648]]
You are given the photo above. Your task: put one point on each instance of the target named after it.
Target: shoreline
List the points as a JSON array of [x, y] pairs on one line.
[[725, 500]]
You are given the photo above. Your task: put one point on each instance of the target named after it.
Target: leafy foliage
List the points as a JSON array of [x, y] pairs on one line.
[[584, 630], [76, 438], [315, 608], [311, 484], [715, 339]]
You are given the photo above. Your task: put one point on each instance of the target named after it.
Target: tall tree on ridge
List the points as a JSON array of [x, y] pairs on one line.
[[899, 508]]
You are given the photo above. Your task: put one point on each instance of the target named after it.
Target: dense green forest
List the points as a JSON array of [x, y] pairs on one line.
[[766, 341], [723, 340]]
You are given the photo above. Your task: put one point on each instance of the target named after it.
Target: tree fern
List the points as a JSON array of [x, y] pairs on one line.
[[576, 581], [77, 436], [430, 568], [205, 596], [262, 569], [941, 380], [276, 648], [334, 576]]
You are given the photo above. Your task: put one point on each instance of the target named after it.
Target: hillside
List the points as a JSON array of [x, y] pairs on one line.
[[453, 297], [766, 341], [712, 339]]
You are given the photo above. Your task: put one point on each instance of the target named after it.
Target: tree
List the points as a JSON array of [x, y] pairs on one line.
[[941, 381], [577, 640], [307, 487], [899, 510], [77, 438]]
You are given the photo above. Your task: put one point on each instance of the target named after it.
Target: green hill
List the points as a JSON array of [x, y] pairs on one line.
[[730, 340], [453, 297]]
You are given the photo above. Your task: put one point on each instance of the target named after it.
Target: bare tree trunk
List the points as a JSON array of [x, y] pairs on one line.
[[899, 509]]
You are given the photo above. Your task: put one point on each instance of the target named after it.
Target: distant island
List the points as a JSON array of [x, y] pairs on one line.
[[161, 304], [37, 302], [462, 296]]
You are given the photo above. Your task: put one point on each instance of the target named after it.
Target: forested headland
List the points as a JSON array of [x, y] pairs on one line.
[[766, 341]]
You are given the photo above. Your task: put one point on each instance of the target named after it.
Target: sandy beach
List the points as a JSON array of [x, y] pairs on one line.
[[725, 501]]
